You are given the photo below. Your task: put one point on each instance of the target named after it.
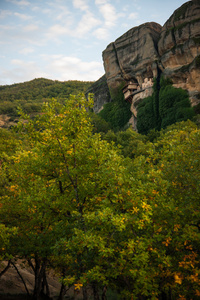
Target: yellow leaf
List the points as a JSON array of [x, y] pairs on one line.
[[177, 279]]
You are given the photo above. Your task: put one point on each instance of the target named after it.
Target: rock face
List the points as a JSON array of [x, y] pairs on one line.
[[132, 56], [149, 50], [101, 93], [179, 48]]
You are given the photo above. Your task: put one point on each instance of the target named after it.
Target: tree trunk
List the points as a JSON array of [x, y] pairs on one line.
[[62, 292], [95, 291], [6, 268], [104, 293], [21, 278], [85, 295], [45, 286], [39, 275]]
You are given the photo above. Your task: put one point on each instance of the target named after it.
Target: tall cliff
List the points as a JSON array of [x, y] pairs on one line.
[[179, 48], [132, 56], [149, 50]]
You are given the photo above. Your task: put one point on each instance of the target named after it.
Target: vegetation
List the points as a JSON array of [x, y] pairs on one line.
[[31, 95], [118, 215], [117, 113], [166, 106]]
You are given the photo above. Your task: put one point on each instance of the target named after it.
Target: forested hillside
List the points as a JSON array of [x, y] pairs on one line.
[[31, 94]]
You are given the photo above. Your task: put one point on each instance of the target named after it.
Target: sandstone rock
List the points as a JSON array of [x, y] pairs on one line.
[[179, 47], [132, 56], [101, 93]]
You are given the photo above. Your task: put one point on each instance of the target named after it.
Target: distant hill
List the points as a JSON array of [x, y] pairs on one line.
[[31, 94]]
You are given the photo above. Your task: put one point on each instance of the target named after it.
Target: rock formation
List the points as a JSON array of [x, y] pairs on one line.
[[149, 50], [179, 48], [133, 55], [101, 93]]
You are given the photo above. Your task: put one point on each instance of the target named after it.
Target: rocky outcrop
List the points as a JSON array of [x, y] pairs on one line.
[[101, 93], [179, 48], [149, 50], [132, 56]]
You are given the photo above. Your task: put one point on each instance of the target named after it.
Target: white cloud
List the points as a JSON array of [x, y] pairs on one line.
[[100, 2], [55, 10], [31, 27], [5, 13], [101, 33], [22, 16], [109, 13], [86, 24], [19, 2], [133, 16], [21, 71], [57, 30], [64, 68], [71, 67], [26, 51], [81, 4]]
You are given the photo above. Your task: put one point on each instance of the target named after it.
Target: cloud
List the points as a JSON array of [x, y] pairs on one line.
[[31, 28], [133, 16], [19, 2], [100, 2], [110, 17], [5, 13], [86, 24], [22, 16], [21, 71], [71, 67], [64, 68], [26, 51], [101, 33], [109, 14], [81, 4], [56, 30]]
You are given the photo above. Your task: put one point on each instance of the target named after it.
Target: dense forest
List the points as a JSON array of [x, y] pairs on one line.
[[32, 94], [115, 213]]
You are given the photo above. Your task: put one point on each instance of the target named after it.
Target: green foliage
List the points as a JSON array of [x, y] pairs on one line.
[[100, 125], [166, 106], [131, 143], [146, 119], [129, 223], [31, 95], [117, 113]]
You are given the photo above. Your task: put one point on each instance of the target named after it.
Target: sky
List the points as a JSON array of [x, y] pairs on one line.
[[64, 39]]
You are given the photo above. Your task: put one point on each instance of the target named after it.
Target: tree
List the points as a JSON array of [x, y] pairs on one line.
[[175, 230], [62, 184]]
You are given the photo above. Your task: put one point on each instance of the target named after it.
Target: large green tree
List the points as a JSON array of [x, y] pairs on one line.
[[67, 194]]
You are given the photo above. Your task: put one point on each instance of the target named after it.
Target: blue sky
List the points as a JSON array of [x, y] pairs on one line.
[[64, 39]]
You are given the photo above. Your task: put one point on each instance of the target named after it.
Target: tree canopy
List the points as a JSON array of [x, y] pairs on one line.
[[118, 213]]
